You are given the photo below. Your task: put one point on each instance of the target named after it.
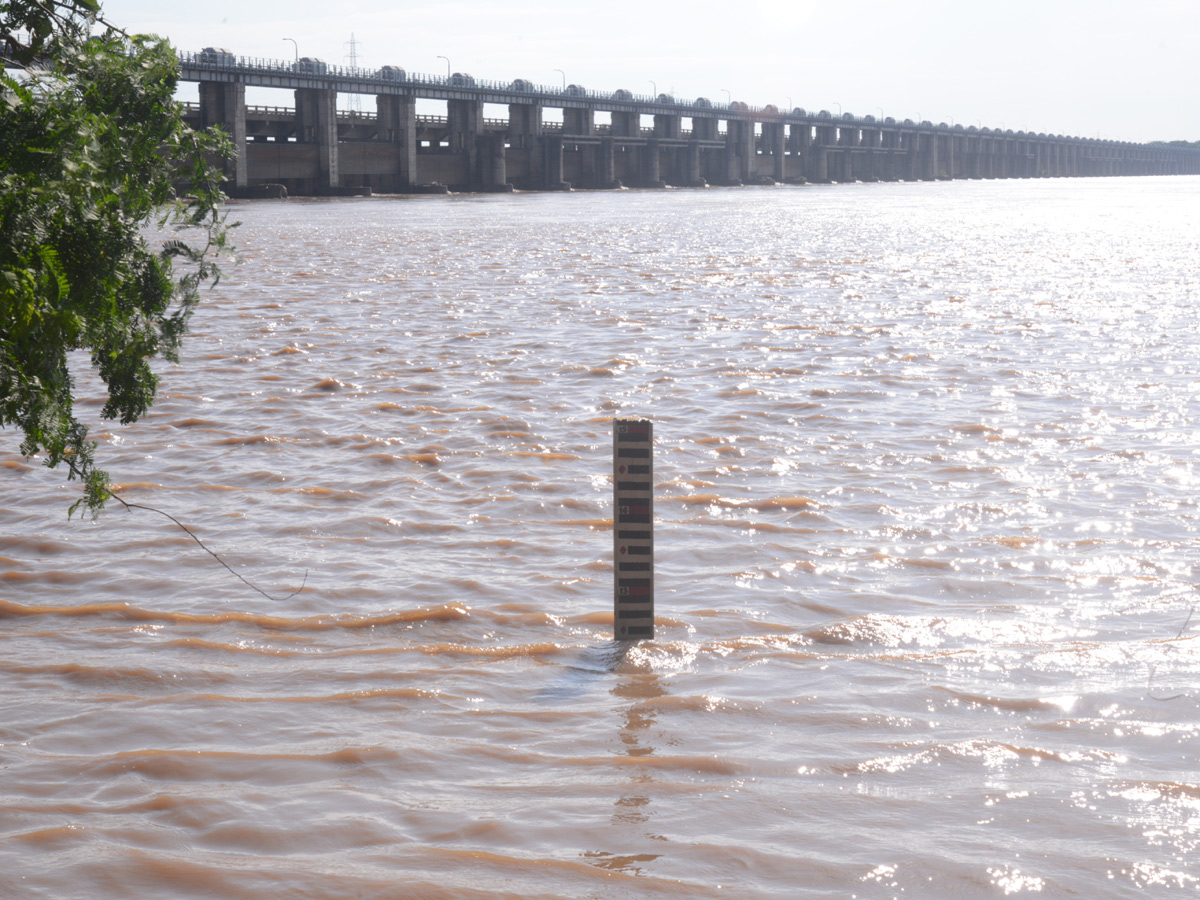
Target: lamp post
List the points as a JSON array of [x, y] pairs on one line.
[[564, 75], [653, 90], [447, 66], [728, 97], [839, 106], [297, 46]]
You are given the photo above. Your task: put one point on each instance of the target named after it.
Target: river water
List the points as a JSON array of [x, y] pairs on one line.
[[927, 521]]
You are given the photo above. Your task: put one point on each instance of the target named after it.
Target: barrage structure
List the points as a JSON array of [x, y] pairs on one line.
[[648, 141]]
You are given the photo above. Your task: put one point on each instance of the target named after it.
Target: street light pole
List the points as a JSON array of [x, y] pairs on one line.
[[447, 66], [564, 75], [297, 46]]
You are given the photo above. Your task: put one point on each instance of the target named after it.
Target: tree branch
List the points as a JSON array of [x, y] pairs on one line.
[[205, 548]]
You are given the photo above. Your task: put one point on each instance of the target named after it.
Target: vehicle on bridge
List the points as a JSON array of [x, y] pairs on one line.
[[310, 65], [217, 55]]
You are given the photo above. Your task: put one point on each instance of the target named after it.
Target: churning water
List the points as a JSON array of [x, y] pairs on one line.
[[927, 497]]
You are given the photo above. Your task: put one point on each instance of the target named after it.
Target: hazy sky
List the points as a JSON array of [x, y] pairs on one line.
[[1120, 69]]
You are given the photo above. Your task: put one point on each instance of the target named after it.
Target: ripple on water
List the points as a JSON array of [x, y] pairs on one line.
[[926, 496]]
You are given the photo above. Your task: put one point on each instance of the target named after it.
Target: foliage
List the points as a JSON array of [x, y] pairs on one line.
[[92, 144]]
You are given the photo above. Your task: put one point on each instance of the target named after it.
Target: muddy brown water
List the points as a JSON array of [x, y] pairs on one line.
[[926, 461]]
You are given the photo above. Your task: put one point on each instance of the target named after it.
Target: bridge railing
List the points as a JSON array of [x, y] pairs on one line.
[[619, 100], [227, 62], [270, 110]]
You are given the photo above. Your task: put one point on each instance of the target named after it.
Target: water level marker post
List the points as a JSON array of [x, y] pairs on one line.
[[633, 529]]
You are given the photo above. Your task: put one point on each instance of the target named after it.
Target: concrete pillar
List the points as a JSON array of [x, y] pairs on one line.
[[626, 124], [524, 123], [306, 116], [579, 121], [668, 126], [847, 138], [799, 139], [818, 168], [870, 164], [746, 151], [886, 163], [316, 123], [732, 169], [652, 164], [493, 162], [552, 156], [608, 163], [704, 129], [694, 178], [951, 155], [225, 105], [826, 138], [929, 156], [774, 145], [779, 153], [397, 121], [800, 148], [464, 118], [911, 146], [739, 150]]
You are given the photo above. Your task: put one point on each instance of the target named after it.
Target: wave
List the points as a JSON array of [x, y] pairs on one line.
[[448, 612]]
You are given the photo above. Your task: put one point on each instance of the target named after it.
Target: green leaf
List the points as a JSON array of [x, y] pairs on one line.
[[91, 148]]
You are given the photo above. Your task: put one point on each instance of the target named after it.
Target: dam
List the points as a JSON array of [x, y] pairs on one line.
[[604, 140]]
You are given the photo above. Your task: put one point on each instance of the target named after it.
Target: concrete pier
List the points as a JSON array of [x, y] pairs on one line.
[[313, 148]]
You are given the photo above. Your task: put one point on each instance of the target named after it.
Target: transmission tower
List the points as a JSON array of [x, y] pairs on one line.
[[352, 59]]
